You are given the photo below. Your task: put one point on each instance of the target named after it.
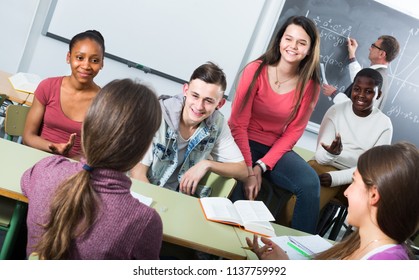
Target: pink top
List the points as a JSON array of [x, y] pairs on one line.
[[264, 118], [56, 126]]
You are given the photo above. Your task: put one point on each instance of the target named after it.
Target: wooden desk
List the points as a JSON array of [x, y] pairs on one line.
[[14, 95], [16, 159], [183, 221]]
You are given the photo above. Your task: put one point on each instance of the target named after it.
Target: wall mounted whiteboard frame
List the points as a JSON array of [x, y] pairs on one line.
[[173, 37]]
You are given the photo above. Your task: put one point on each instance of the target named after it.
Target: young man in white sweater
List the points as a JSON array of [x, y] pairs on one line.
[[347, 130]]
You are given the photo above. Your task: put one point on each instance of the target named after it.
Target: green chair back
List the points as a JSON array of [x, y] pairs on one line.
[[220, 186], [12, 216], [15, 121]]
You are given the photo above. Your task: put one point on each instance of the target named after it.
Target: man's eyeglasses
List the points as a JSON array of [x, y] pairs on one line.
[[375, 46]]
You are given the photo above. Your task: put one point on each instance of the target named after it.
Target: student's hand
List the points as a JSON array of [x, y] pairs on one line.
[[253, 184], [191, 178], [328, 89], [63, 148], [270, 251], [336, 147], [352, 46], [325, 179]]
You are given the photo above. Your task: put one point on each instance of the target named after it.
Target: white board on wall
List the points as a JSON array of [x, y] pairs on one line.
[[173, 37]]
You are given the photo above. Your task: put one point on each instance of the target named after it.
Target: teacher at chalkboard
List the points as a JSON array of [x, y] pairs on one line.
[[274, 100], [382, 52]]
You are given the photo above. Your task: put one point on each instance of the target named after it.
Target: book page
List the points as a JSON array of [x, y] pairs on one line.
[[220, 209], [315, 243], [25, 82], [142, 198], [253, 210], [264, 228]]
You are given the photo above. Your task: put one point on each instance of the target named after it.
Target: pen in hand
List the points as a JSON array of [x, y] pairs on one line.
[[250, 248]]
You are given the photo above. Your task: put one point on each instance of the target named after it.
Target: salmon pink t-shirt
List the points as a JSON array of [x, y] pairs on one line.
[[264, 118], [56, 126]]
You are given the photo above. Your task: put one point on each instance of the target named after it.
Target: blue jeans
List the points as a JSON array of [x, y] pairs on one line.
[[294, 174]]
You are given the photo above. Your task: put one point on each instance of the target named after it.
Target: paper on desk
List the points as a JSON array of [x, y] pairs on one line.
[[143, 199], [315, 243], [25, 82]]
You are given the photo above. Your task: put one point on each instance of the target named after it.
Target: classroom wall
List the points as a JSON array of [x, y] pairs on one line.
[[16, 20], [27, 50]]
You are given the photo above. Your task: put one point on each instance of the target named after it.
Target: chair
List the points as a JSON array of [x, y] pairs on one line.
[[332, 217], [12, 216], [12, 212], [221, 186], [2, 98], [15, 122], [333, 205]]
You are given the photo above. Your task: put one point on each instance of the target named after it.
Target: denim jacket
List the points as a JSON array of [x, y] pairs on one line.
[[165, 150]]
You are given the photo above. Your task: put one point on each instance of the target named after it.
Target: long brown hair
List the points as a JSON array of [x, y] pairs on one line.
[[117, 131], [309, 68], [393, 170]]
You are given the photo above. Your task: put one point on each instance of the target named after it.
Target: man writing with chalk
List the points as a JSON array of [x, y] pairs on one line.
[[384, 50]]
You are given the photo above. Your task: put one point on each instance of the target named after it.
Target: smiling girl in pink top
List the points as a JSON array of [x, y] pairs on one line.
[[54, 121]]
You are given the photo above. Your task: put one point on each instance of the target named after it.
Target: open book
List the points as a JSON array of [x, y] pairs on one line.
[[25, 82], [250, 215]]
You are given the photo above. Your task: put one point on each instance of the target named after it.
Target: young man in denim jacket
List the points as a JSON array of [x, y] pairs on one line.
[[194, 137]]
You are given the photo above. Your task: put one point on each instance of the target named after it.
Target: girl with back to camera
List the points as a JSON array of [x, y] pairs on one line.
[[382, 200], [273, 103], [84, 210], [55, 118]]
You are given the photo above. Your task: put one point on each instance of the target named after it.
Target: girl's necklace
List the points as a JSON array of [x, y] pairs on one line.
[[277, 82]]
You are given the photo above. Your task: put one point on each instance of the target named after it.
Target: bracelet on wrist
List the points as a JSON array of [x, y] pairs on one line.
[[352, 59], [262, 165]]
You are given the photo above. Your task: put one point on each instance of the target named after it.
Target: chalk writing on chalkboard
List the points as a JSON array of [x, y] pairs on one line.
[[336, 34], [397, 111]]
